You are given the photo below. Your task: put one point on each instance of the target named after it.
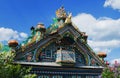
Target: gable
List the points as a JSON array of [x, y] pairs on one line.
[[81, 48], [62, 43]]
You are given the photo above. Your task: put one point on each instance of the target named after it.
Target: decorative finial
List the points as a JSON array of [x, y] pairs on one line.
[[60, 13], [68, 19]]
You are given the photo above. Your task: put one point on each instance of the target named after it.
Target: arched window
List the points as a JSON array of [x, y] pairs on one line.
[[80, 58]]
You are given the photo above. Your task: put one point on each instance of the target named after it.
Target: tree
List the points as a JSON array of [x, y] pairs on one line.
[[10, 70], [0, 46], [4, 48], [111, 72], [107, 73], [116, 71]]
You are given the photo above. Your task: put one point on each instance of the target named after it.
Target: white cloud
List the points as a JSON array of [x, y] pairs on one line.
[[7, 34], [115, 4], [104, 46], [110, 44], [113, 61], [103, 32], [23, 35]]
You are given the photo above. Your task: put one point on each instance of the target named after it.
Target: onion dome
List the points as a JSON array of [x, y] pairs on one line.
[[102, 54], [40, 27], [12, 43]]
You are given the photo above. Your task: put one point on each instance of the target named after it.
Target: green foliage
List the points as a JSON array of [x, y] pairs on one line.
[[117, 72], [4, 48], [118, 69], [0, 46], [107, 73], [10, 70], [30, 76], [114, 73]]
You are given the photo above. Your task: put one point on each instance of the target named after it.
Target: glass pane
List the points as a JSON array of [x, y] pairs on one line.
[[40, 76], [57, 76], [79, 77], [48, 53]]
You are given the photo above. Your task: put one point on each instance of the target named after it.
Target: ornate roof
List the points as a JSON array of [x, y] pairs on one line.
[[62, 28]]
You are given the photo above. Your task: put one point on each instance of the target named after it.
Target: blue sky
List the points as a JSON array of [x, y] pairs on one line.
[[100, 19]]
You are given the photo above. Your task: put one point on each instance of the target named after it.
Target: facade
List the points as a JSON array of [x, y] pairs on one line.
[[59, 51]]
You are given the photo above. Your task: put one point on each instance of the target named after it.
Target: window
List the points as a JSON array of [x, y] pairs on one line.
[[43, 76], [48, 54], [57, 76]]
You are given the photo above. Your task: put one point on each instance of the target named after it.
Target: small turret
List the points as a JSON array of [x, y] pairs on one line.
[[40, 31], [84, 36], [40, 27], [102, 55], [13, 44]]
